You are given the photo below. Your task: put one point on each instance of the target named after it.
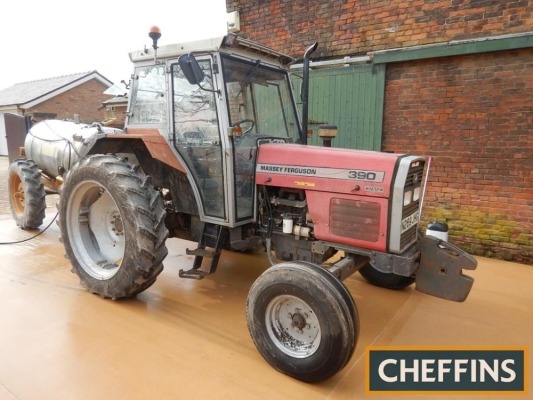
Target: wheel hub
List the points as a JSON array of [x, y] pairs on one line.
[[118, 224], [293, 326], [17, 190], [98, 233], [298, 320]]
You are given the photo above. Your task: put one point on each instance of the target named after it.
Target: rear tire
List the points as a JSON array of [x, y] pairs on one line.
[[385, 280], [302, 320], [27, 196], [112, 226]]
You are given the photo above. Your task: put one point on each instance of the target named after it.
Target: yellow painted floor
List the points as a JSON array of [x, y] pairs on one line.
[[185, 339]]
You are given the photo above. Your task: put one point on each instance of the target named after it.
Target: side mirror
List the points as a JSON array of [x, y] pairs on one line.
[[191, 69]]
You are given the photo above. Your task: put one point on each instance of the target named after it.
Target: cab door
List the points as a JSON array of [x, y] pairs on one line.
[[197, 138]]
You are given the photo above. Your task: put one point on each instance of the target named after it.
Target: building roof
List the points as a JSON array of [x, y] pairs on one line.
[[28, 94], [116, 100]]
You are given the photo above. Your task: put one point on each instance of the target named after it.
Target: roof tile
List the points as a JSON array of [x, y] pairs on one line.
[[21, 93]]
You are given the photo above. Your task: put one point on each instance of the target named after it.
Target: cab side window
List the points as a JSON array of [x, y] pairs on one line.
[[150, 103]]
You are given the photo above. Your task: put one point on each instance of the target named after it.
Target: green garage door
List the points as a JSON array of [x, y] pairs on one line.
[[350, 98]]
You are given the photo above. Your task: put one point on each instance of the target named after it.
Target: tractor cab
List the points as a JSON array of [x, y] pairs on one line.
[[215, 101]]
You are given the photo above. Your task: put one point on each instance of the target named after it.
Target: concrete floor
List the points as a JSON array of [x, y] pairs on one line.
[[184, 339]]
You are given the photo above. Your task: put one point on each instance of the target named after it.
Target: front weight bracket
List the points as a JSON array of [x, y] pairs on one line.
[[441, 270]]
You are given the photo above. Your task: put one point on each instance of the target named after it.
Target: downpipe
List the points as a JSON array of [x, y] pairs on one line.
[[304, 93]]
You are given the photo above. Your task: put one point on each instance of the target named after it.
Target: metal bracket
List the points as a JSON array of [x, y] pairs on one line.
[[440, 273], [404, 264]]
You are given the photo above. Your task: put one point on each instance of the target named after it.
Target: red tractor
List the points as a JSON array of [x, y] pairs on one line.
[[214, 152]]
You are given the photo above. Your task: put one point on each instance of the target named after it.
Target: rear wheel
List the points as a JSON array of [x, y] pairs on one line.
[[112, 226], [385, 280], [27, 196], [302, 320]]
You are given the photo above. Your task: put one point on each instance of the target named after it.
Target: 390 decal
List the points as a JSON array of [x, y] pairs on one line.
[[367, 176]]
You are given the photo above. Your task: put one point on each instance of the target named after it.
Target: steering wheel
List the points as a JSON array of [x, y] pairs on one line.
[[242, 121]]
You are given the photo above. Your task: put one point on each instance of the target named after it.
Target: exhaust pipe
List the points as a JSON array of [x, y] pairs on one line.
[[304, 94]]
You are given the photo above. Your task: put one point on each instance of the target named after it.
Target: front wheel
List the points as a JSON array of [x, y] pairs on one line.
[[112, 226], [302, 320]]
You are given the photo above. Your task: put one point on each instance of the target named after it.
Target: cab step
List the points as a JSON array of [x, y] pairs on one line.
[[200, 253], [192, 274], [213, 236]]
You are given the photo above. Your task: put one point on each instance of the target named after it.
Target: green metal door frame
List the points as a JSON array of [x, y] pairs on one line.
[[351, 98]]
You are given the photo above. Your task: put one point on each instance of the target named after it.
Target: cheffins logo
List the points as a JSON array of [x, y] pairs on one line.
[[446, 370]]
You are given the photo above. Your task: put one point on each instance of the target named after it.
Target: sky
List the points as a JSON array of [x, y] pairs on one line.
[[43, 39]]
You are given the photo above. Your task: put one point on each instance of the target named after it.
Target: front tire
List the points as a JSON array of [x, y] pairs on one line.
[[27, 196], [302, 320], [112, 226], [385, 280]]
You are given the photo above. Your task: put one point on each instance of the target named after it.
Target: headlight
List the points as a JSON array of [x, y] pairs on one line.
[[407, 197], [416, 194]]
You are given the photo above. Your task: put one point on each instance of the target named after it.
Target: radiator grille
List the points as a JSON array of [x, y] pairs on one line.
[[414, 176], [408, 237], [355, 219], [413, 180]]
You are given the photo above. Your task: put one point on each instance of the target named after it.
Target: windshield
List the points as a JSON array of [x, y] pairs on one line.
[[259, 100]]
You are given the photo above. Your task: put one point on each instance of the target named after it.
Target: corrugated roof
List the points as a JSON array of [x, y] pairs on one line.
[[21, 93]]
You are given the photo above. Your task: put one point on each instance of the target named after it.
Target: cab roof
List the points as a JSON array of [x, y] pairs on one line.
[[229, 44]]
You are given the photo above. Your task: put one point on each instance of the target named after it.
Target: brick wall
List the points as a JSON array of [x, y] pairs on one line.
[[84, 99], [474, 115], [357, 26]]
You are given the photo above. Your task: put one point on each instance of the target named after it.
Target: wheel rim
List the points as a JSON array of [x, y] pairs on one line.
[[17, 193], [96, 230], [293, 326]]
